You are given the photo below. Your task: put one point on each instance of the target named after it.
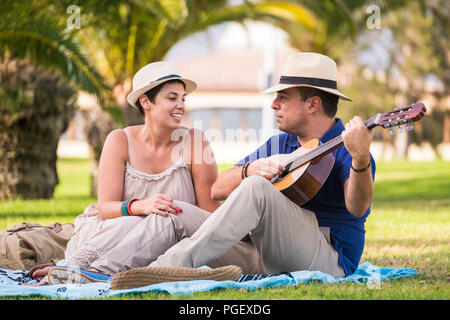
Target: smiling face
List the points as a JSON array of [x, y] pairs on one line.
[[167, 107]]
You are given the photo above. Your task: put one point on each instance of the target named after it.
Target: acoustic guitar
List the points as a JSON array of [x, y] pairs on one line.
[[308, 167]]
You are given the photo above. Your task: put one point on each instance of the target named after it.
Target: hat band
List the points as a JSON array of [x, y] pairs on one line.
[[167, 77], [317, 82]]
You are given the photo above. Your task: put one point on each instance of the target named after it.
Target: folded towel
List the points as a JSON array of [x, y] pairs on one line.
[[11, 283]]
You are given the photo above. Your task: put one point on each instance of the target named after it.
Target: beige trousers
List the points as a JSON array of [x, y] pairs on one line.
[[284, 236]]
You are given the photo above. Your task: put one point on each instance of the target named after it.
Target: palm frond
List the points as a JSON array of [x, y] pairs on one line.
[[45, 42], [262, 10], [287, 11], [176, 10]]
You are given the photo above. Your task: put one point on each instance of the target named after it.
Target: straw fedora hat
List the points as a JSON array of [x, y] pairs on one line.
[[308, 69], [152, 75]]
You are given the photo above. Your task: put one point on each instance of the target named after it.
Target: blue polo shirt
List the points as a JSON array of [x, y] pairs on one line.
[[347, 233]]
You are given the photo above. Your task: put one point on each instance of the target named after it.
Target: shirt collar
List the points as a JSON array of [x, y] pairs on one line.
[[334, 131], [292, 141]]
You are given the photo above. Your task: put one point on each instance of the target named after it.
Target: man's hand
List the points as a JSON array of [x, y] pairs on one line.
[[265, 167], [357, 139], [358, 189]]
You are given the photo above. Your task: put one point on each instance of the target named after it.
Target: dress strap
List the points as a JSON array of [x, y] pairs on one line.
[[128, 143]]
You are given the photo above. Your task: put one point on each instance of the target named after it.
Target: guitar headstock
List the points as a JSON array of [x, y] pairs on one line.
[[400, 116]]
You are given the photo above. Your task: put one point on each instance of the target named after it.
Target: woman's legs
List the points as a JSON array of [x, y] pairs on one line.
[[93, 244], [153, 236]]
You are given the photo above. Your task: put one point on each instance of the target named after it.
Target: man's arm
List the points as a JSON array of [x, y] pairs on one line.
[[226, 182], [358, 189]]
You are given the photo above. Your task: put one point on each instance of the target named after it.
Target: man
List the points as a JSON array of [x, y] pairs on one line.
[[326, 233], [305, 107]]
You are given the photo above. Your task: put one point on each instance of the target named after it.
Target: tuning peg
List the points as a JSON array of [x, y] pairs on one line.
[[400, 129], [409, 127], [392, 131]]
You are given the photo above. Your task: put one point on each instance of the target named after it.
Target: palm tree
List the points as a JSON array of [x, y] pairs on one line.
[[41, 66]]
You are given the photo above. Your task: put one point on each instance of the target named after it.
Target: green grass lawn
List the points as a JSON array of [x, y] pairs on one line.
[[409, 227]]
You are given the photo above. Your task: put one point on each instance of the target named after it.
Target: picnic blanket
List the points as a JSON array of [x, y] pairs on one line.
[[11, 283]]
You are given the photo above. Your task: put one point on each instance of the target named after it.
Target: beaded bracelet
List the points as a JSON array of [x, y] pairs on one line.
[[128, 208], [124, 208]]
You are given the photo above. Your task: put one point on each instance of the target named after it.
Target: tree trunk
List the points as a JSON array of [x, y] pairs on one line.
[[28, 156], [98, 124], [401, 144], [35, 109], [447, 127]]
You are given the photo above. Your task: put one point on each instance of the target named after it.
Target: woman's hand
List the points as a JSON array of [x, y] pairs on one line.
[[158, 204]]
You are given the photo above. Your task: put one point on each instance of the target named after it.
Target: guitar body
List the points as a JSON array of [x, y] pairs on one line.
[[301, 184]]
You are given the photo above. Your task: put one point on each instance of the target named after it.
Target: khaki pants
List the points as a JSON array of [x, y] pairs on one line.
[[284, 236]]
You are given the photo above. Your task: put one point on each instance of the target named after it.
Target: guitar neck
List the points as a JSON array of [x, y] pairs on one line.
[[329, 146], [395, 117]]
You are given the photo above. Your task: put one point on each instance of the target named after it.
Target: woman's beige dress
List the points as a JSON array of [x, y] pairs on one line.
[[93, 237]]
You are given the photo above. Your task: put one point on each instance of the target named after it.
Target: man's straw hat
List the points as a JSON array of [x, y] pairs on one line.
[[307, 69], [152, 75]]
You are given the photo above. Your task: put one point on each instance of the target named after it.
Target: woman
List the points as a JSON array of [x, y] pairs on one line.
[[146, 172]]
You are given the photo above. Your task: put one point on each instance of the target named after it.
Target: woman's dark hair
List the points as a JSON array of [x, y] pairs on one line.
[[329, 100], [151, 94]]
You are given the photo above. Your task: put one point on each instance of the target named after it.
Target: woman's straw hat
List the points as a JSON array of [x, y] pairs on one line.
[[152, 75], [307, 69]]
